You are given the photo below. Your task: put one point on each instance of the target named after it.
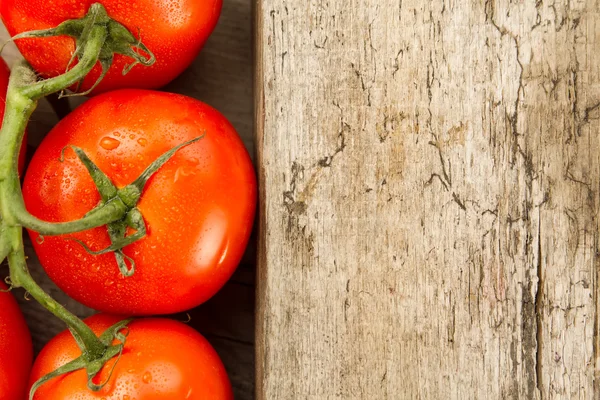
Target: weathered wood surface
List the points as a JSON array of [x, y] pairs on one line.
[[429, 199], [222, 77]]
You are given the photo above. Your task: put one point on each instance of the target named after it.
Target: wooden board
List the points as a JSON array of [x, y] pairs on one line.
[[222, 77], [429, 199]]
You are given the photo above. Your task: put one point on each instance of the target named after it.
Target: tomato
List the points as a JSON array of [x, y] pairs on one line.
[[16, 351], [198, 208], [4, 75], [174, 30], [162, 359]]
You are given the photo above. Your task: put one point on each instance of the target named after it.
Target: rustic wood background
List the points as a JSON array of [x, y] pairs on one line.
[[429, 199], [222, 77]]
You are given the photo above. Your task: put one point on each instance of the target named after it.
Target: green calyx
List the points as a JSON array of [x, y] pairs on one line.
[[119, 40], [92, 363], [127, 199]]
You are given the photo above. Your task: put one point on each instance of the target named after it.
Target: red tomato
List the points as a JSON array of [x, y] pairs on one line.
[[174, 30], [198, 208], [162, 359], [4, 75], [16, 352]]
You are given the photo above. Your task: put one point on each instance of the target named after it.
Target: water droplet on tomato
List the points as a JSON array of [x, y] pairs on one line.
[[147, 377], [189, 394], [109, 283], [109, 143], [142, 141], [126, 397]]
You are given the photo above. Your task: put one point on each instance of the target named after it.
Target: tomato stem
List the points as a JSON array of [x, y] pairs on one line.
[[19, 107], [4, 245], [89, 58], [20, 103], [129, 197], [23, 93], [117, 40], [20, 277], [98, 38]]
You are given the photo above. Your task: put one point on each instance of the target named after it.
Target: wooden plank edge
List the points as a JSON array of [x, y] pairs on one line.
[[261, 267]]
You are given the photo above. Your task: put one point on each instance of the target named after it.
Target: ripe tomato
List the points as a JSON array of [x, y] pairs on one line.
[[198, 208], [4, 75], [174, 30], [16, 351], [162, 359]]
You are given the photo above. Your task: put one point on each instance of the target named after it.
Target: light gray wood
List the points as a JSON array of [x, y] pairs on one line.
[[429, 199], [222, 77]]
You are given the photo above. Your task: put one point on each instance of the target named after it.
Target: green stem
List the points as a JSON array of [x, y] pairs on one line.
[[18, 109], [23, 93], [98, 38], [22, 96], [4, 244], [89, 58], [99, 216], [20, 277]]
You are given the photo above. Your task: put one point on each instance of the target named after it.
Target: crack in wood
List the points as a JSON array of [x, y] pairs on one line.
[[539, 313]]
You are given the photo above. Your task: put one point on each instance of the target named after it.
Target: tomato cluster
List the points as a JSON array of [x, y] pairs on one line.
[[197, 208]]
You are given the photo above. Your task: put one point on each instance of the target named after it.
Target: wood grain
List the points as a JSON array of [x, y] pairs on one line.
[[429, 197], [222, 77]]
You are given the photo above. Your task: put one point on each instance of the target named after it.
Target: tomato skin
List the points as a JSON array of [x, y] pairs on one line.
[[162, 360], [198, 208], [4, 76], [174, 30], [16, 351]]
